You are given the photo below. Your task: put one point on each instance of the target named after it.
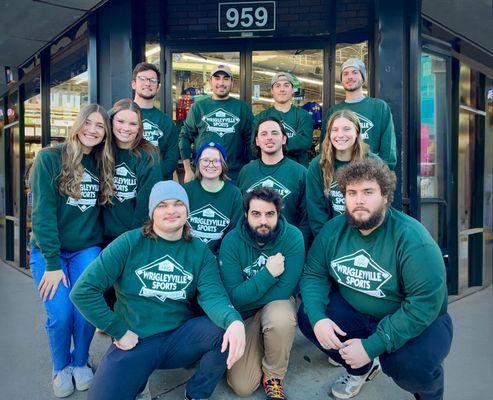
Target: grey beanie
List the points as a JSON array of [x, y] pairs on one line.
[[355, 63], [166, 190]]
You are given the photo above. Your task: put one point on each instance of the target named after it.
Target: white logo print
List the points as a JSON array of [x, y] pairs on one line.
[[366, 126], [89, 189], [125, 182], [256, 266], [290, 132], [208, 223], [337, 198], [270, 182], [164, 279], [360, 272], [220, 122], [152, 132]]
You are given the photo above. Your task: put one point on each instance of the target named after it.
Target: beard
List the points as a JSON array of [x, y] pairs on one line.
[[146, 96], [262, 238], [372, 222]]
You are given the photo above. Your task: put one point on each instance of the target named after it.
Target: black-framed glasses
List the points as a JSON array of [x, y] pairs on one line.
[[205, 162], [145, 79]]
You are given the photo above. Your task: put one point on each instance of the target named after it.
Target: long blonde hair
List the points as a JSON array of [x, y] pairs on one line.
[[328, 153], [72, 170]]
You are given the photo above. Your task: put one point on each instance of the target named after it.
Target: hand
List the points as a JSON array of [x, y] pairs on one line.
[[49, 283], [127, 341], [354, 353], [275, 265], [235, 337], [325, 331], [189, 176]]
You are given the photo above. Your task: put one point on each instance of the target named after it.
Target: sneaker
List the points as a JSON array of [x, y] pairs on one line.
[[348, 385], [83, 377], [274, 388], [333, 362], [62, 382], [145, 394]]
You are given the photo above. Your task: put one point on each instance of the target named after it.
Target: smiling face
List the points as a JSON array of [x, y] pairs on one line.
[[126, 125], [270, 138], [92, 132], [351, 79], [365, 205], [343, 135], [221, 85], [210, 164], [282, 91], [146, 84], [169, 217]]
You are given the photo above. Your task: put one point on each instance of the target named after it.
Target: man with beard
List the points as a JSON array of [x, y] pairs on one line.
[[220, 119], [296, 121], [260, 263], [375, 117], [374, 290], [159, 129]]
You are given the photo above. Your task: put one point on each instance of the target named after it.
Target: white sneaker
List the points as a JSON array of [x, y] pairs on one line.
[[145, 394], [348, 385], [62, 382], [83, 377]]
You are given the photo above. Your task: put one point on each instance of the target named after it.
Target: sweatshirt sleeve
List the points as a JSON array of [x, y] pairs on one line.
[[188, 134], [424, 289], [149, 174], [303, 223], [44, 212], [315, 284], [246, 132], [212, 296], [169, 149], [237, 207], [304, 132], [387, 150], [100, 275], [316, 203]]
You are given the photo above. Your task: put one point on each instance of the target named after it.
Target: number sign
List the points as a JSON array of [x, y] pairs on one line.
[[247, 17]]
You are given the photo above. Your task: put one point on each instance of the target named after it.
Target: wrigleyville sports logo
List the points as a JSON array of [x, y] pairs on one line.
[[152, 132], [337, 198], [220, 122], [164, 279], [270, 182], [360, 272], [366, 126], [256, 266], [208, 223], [125, 182], [89, 189]]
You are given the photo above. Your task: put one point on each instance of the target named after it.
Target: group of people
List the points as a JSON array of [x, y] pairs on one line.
[[219, 272]]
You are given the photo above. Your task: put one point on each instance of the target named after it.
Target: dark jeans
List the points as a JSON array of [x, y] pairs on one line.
[[123, 374], [416, 367]]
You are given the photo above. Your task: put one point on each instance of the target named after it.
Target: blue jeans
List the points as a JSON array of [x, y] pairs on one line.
[[64, 322], [123, 374], [416, 367]]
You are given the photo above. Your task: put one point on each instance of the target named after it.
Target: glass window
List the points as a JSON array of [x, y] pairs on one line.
[[153, 54], [343, 52], [69, 89], [13, 108]]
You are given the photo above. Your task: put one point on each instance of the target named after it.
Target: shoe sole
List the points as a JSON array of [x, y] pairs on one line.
[[82, 388], [61, 395], [373, 375]]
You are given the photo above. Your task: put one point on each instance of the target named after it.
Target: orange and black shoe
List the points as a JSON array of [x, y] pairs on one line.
[[274, 388]]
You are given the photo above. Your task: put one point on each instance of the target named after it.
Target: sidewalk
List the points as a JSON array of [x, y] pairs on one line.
[[25, 368]]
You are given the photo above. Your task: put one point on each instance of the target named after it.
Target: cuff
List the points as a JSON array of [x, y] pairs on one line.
[[374, 345], [53, 263]]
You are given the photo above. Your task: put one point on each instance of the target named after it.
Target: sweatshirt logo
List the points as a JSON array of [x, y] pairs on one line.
[[164, 279], [360, 272], [125, 182], [270, 182], [256, 266], [89, 189], [208, 223], [220, 122], [152, 132], [290, 131], [337, 198], [366, 125]]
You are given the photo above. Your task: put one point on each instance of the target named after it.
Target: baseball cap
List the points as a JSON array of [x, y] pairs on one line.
[[282, 76], [222, 68], [355, 63]]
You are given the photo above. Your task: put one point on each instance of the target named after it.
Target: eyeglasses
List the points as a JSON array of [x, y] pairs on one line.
[[144, 79], [205, 162]]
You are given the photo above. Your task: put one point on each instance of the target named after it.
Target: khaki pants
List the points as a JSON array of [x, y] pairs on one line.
[[269, 338]]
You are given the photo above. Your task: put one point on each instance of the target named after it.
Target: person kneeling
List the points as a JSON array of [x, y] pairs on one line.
[[156, 271], [260, 263]]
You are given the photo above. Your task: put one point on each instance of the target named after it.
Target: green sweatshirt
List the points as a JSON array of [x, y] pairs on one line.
[[61, 222], [134, 178], [155, 281], [242, 266], [299, 128], [395, 273], [288, 178], [212, 215], [227, 122], [160, 130], [321, 207], [377, 127]]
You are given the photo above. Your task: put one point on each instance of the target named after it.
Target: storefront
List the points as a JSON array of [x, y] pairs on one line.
[[437, 88]]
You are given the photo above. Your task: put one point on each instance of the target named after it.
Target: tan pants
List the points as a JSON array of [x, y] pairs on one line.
[[269, 338]]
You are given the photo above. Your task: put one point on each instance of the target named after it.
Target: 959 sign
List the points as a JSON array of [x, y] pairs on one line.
[[247, 16]]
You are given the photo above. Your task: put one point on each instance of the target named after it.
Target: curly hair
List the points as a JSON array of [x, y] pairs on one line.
[[368, 170], [328, 152]]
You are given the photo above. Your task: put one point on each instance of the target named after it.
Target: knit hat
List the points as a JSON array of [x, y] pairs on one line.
[[355, 63], [282, 76], [166, 190], [222, 68], [213, 145]]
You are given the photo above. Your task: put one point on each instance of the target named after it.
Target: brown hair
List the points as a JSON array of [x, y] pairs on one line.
[[369, 170], [256, 149], [224, 172], [144, 66], [328, 152], [149, 231]]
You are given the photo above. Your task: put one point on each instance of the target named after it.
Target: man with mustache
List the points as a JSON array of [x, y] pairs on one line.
[[374, 290], [260, 262], [220, 119]]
